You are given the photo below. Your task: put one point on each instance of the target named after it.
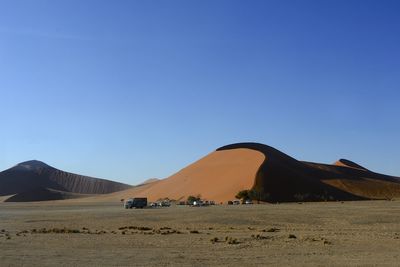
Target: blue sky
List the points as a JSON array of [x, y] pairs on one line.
[[129, 90]]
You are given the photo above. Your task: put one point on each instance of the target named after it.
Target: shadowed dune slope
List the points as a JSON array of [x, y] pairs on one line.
[[282, 178], [34, 176]]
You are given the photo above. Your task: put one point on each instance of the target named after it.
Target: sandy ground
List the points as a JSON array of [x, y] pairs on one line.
[[104, 234]]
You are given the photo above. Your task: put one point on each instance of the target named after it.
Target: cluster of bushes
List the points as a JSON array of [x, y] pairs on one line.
[[228, 239], [253, 194]]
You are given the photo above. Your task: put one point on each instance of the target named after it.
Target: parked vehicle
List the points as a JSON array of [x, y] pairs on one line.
[[164, 203], [137, 202], [230, 202], [248, 202], [236, 202], [198, 203]]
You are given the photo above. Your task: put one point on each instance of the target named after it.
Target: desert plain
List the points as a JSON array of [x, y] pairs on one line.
[[68, 233]]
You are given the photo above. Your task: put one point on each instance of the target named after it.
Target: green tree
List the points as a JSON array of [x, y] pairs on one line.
[[243, 195], [192, 199]]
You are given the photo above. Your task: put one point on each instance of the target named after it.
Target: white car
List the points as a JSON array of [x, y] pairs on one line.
[[197, 203], [164, 203]]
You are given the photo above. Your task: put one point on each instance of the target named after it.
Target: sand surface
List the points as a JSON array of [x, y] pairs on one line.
[[365, 233]]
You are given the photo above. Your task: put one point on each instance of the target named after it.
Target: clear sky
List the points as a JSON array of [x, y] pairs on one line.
[[130, 90]]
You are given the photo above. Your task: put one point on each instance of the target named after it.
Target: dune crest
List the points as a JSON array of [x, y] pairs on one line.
[[349, 163]]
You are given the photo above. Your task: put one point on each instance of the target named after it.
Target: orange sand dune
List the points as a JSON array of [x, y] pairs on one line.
[[275, 176], [218, 176]]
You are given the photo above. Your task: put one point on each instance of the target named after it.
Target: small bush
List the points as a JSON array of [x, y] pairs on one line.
[[214, 240], [273, 230], [144, 228], [259, 237], [232, 241]]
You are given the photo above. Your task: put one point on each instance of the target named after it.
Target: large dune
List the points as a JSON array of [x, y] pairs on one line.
[[217, 176], [272, 175], [37, 181]]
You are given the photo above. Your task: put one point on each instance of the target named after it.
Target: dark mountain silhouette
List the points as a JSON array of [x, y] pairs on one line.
[[33, 176]]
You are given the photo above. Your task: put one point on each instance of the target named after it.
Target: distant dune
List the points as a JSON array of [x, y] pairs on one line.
[[348, 163], [151, 180], [273, 175], [37, 181]]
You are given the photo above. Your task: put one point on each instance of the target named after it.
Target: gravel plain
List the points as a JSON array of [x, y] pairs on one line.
[[62, 233]]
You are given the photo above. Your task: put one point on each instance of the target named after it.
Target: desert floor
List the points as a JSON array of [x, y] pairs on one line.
[[363, 233]]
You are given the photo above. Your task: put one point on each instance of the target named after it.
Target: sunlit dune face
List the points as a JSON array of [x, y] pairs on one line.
[[218, 176]]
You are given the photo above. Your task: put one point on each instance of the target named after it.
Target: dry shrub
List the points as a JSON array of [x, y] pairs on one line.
[[214, 240]]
